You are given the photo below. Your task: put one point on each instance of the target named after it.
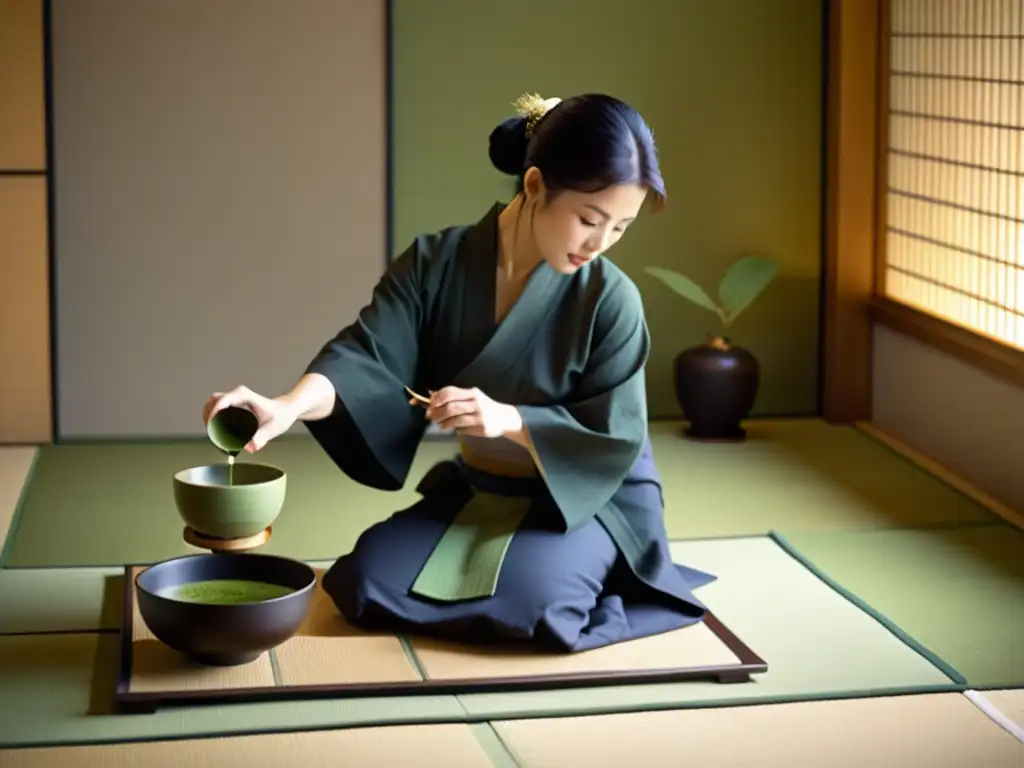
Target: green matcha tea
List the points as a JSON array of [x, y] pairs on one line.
[[226, 592]]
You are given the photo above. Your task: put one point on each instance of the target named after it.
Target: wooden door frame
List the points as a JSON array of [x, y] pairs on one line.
[[854, 121]]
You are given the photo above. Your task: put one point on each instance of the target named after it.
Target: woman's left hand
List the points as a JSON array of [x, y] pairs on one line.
[[471, 412]]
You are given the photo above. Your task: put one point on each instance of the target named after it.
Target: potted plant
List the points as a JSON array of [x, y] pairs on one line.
[[716, 383]]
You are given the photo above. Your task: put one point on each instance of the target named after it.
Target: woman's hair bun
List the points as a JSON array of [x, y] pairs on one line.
[[508, 143]]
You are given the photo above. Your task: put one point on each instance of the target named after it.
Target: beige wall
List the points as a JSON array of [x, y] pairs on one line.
[[963, 418], [220, 206], [25, 391]]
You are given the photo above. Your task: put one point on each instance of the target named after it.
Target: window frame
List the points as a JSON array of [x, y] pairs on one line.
[[999, 359], [854, 303]]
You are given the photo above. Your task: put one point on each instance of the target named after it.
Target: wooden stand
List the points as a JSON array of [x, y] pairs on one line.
[[214, 544]]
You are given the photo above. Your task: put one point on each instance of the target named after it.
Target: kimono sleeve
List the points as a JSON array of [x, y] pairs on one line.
[[373, 433], [585, 448]]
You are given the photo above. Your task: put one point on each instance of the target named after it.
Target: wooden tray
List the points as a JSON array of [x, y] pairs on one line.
[[328, 658]]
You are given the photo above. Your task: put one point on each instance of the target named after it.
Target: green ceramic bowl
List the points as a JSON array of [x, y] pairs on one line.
[[210, 505]]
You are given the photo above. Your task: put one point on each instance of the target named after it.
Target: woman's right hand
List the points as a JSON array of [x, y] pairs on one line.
[[275, 416]]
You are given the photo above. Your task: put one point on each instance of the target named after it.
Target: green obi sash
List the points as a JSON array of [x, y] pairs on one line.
[[466, 562]]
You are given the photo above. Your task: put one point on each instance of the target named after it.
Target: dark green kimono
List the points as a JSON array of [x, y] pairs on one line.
[[584, 561]]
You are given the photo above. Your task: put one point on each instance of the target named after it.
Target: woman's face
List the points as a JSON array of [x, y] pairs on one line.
[[574, 227]]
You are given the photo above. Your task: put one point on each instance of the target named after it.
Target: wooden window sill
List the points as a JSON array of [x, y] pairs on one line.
[[974, 349]]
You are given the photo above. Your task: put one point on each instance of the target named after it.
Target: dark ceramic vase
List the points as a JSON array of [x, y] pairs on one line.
[[716, 384]]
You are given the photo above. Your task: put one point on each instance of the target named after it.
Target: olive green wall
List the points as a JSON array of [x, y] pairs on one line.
[[732, 89]]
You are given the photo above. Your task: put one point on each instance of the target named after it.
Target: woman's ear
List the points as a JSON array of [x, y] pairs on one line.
[[533, 184]]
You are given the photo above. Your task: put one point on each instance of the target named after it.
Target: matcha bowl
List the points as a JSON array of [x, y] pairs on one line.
[[225, 609], [226, 501]]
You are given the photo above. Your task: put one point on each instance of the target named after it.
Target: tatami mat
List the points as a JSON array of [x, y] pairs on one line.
[[816, 643], [60, 599], [1003, 707], [1009, 702], [960, 593], [801, 475], [908, 731], [328, 651], [996, 715], [695, 646], [59, 689], [444, 746], [15, 466]]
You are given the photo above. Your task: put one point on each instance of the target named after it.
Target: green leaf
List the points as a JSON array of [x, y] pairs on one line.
[[685, 287], [744, 281]]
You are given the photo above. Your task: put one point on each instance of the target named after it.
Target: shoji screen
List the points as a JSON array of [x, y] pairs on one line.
[[953, 245]]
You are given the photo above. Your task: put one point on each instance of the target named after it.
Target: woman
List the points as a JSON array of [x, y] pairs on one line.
[[548, 525]]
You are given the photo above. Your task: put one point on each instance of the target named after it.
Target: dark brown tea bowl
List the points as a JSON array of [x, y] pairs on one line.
[[225, 609]]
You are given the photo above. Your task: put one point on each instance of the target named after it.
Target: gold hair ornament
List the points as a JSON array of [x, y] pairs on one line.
[[533, 108]]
